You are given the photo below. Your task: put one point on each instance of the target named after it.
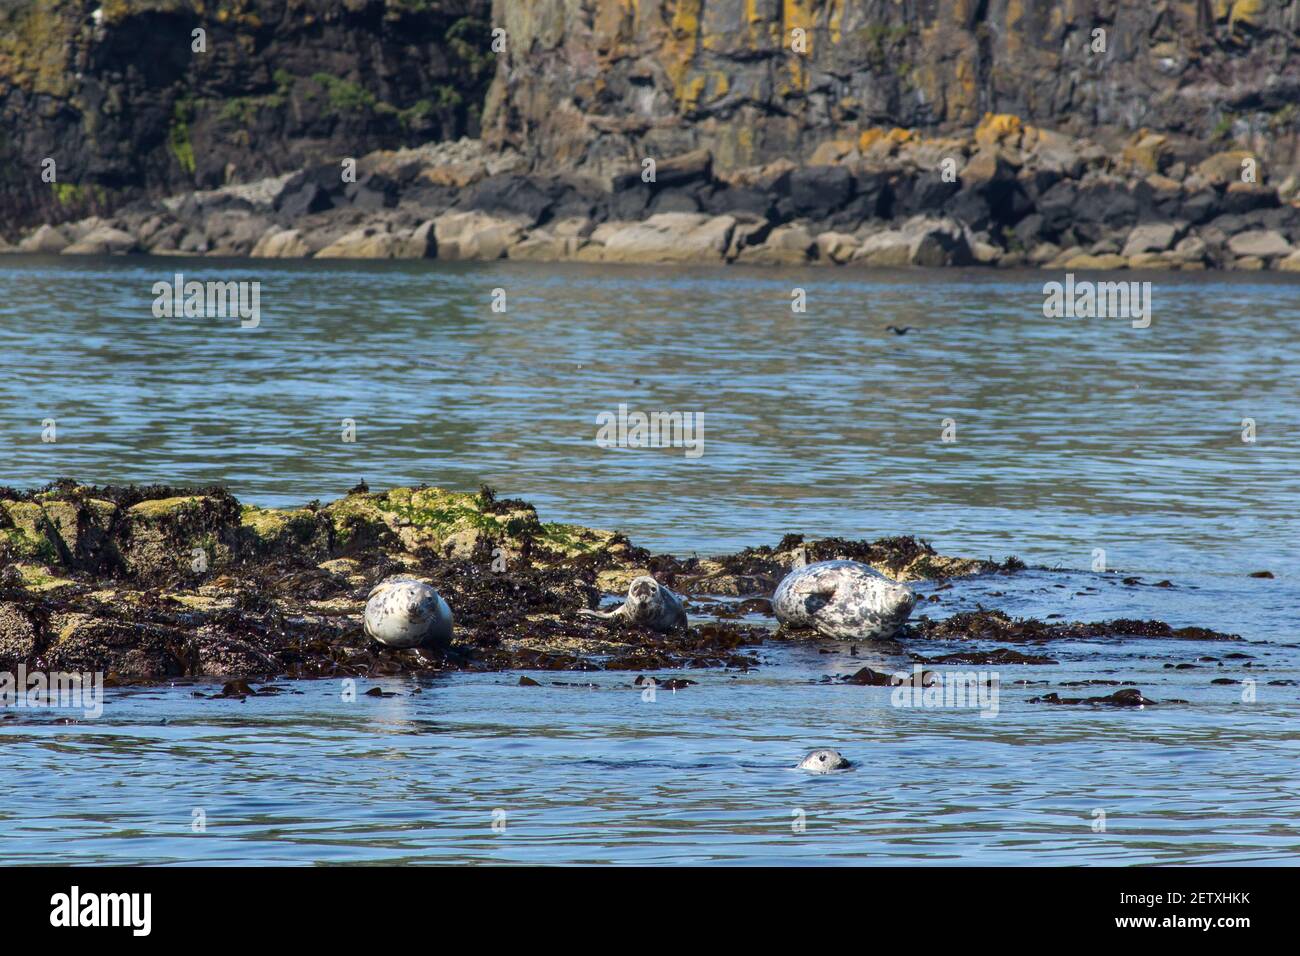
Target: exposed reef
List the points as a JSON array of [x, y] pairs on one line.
[[146, 583], [153, 583]]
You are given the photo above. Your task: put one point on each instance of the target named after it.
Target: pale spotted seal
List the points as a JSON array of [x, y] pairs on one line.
[[649, 604], [404, 612], [842, 599], [823, 761]]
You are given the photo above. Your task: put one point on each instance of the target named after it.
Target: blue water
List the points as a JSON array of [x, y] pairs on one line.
[[1072, 436]]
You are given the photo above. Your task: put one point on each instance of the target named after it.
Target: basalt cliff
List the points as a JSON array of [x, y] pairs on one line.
[[1081, 134]]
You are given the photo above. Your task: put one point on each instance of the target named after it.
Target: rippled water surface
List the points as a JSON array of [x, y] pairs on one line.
[[1072, 435]]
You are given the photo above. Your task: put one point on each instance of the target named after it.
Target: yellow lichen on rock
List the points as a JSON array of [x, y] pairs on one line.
[[798, 15], [999, 129], [1143, 150]]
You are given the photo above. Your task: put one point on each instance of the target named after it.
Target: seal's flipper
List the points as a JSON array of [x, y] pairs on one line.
[[817, 600], [603, 615]]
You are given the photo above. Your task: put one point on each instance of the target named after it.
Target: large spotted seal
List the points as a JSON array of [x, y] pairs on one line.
[[649, 604], [842, 599], [824, 760], [404, 612]]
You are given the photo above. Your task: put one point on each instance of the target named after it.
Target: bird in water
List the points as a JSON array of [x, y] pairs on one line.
[[897, 331]]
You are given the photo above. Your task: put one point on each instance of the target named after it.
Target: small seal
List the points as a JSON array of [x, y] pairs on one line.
[[649, 604], [846, 600], [824, 761], [404, 612]]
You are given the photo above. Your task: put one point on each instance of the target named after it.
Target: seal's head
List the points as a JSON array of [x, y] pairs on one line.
[[824, 760], [404, 612], [643, 598]]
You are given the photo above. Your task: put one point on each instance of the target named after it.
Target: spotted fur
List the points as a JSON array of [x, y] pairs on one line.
[[404, 612], [846, 600], [824, 760], [648, 604]]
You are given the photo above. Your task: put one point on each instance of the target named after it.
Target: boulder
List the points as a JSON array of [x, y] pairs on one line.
[[889, 248], [673, 200], [695, 166], [937, 242], [1240, 198], [1226, 167], [104, 241], [817, 192], [1108, 260], [1261, 243], [279, 243], [366, 242], [419, 243], [1153, 237], [46, 240], [986, 253], [1150, 260], [918, 242], [672, 237], [1291, 263], [784, 245], [1190, 249], [542, 246], [1042, 253], [836, 247], [17, 637], [1144, 150], [516, 197], [475, 235]]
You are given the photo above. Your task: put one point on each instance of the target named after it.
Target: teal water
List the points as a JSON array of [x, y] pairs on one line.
[[1071, 436]]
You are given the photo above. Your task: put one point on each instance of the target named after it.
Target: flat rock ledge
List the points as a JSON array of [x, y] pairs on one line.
[[155, 583], [1004, 194]]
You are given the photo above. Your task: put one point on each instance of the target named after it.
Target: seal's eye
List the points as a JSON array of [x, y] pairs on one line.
[[822, 758]]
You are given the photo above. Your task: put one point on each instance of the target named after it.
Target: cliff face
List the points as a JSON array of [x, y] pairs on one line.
[[115, 93], [604, 82]]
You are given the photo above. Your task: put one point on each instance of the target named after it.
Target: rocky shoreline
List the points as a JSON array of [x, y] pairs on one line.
[[157, 583], [1006, 194]]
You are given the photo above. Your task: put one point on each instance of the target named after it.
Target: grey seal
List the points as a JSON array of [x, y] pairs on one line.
[[824, 760], [842, 599], [403, 612], [649, 604]]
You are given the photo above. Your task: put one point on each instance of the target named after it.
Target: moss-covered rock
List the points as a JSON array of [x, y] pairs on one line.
[[104, 579], [17, 636], [181, 535]]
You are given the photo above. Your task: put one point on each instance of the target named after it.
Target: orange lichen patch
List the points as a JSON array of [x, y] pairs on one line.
[[1143, 150], [679, 51], [886, 142], [836, 19], [999, 129]]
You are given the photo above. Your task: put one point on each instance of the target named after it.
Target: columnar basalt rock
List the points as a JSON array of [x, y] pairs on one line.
[[903, 134], [122, 101], [603, 83]]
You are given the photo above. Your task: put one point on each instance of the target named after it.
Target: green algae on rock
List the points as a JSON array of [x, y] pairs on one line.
[[159, 582]]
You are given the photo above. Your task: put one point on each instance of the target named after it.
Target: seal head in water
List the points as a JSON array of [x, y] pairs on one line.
[[846, 600], [404, 612], [824, 761], [648, 604]]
